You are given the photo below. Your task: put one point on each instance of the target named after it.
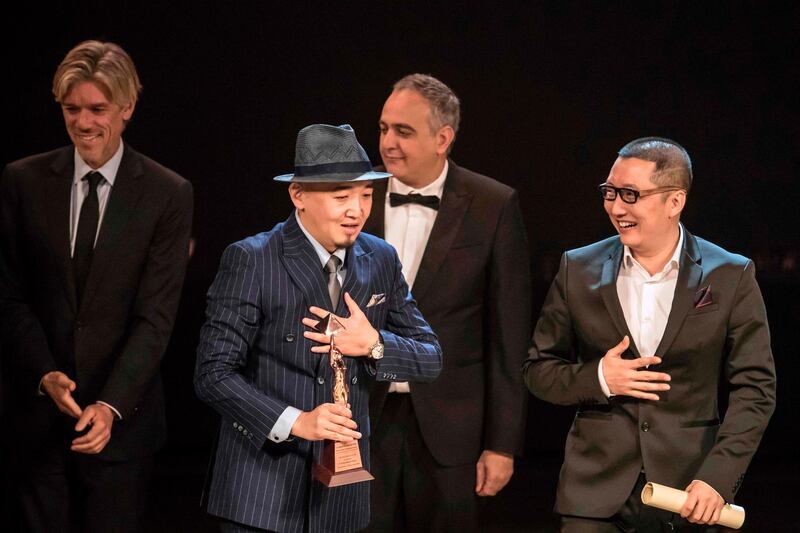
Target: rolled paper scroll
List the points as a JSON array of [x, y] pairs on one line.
[[670, 499]]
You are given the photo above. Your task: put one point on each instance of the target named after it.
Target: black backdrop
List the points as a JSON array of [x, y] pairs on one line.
[[549, 92]]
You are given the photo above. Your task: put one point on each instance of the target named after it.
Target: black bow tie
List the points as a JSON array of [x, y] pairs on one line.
[[414, 198]]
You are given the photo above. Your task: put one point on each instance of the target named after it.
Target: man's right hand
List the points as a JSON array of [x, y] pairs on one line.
[[59, 387], [328, 421], [624, 377]]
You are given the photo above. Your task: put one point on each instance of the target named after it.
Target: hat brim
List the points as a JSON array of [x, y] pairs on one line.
[[333, 178]]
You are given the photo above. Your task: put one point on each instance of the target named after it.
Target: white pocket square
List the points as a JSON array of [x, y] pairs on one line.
[[376, 299]]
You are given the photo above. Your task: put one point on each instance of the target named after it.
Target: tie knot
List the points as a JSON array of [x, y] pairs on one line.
[[94, 179], [333, 264]]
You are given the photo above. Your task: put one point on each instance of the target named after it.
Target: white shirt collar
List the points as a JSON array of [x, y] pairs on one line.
[[435, 188], [108, 170], [323, 254], [628, 261]]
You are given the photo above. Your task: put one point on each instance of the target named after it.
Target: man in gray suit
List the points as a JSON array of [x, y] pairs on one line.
[[269, 376], [640, 331]]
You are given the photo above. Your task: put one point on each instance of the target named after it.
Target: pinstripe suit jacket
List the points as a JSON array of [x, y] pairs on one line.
[[253, 362]]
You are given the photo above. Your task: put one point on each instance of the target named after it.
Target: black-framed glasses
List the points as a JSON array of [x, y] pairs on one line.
[[630, 196]]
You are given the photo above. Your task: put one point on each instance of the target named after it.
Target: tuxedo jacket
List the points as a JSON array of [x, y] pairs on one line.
[[253, 361], [473, 287], [716, 337], [111, 345]]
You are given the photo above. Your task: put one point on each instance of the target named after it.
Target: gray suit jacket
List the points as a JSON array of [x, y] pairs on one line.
[[716, 337], [253, 362]]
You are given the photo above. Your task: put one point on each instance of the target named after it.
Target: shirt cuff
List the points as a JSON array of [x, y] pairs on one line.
[[283, 427], [602, 379], [113, 409]]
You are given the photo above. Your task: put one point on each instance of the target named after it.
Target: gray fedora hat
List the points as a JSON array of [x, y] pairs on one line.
[[330, 154]]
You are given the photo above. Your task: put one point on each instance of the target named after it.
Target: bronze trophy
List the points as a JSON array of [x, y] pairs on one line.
[[341, 461]]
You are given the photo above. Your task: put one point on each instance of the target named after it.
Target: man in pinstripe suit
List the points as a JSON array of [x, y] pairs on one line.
[[266, 372]]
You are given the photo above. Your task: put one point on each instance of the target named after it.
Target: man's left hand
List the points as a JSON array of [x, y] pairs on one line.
[[704, 504], [494, 471], [101, 419], [355, 340]]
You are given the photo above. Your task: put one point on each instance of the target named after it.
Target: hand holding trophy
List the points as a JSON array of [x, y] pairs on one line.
[[341, 461]]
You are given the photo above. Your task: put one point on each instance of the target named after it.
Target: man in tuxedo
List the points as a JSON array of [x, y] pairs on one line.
[[640, 332], [94, 241], [271, 379], [438, 448]]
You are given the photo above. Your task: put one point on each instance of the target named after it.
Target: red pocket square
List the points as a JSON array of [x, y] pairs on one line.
[[703, 297]]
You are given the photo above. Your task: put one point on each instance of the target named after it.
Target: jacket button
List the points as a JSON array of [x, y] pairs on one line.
[[79, 326], [321, 380], [289, 337], [645, 426], [354, 380]]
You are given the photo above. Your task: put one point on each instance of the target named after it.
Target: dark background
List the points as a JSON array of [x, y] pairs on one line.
[[549, 92]]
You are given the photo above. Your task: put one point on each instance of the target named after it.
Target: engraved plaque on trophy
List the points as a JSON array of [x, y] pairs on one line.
[[341, 461]]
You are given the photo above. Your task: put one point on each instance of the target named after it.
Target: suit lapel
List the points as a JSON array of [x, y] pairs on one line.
[[455, 201], [121, 206], [689, 278], [608, 292], [356, 281], [57, 199], [303, 265]]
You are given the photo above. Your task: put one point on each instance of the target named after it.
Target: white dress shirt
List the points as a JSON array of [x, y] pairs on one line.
[[646, 302], [80, 190], [407, 228], [282, 429]]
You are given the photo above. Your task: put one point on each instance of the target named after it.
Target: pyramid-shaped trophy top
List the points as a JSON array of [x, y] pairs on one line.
[[330, 325]]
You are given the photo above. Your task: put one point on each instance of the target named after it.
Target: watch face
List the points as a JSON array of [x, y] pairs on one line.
[[377, 351]]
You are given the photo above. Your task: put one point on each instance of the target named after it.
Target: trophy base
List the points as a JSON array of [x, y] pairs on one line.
[[336, 479], [340, 465]]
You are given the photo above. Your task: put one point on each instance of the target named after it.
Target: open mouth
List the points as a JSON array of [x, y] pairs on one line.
[[626, 225]]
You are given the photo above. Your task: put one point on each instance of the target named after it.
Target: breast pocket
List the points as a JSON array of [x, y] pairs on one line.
[[704, 310]]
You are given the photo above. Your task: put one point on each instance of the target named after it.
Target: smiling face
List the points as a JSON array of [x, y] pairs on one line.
[[333, 213], [94, 122], [648, 227], [410, 150]]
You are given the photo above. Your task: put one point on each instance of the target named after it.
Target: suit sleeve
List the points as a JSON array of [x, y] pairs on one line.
[[233, 318], [553, 371], [155, 306], [509, 327], [750, 373], [25, 342], [411, 349]]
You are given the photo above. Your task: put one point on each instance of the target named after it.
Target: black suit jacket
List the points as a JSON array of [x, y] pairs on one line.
[[716, 335], [473, 287], [113, 343]]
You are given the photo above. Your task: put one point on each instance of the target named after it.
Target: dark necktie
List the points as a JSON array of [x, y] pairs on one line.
[[334, 287], [414, 198], [87, 231]]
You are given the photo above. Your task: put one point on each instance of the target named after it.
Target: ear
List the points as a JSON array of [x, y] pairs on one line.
[[444, 138], [296, 195], [676, 202], [127, 111]]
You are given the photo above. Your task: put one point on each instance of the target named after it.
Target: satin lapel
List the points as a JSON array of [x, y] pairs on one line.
[[377, 218], [356, 281], [57, 198], [689, 278], [121, 206], [608, 292], [455, 201]]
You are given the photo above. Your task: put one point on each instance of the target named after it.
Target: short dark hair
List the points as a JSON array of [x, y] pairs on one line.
[[673, 165]]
